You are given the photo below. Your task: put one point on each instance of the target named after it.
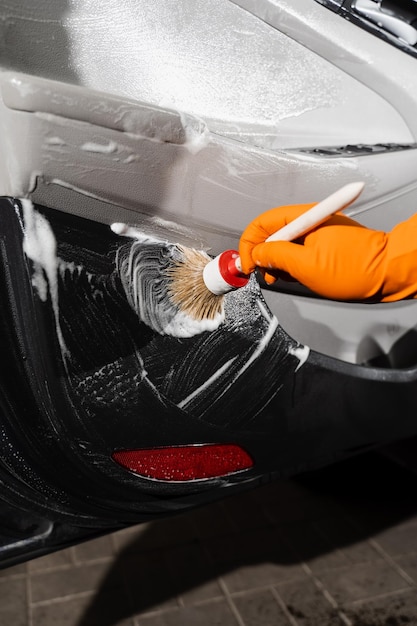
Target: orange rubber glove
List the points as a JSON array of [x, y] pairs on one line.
[[340, 259]]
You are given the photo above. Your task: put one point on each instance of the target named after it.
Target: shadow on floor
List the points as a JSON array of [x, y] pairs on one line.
[[282, 524]]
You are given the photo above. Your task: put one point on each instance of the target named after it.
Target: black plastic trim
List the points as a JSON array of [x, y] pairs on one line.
[[61, 424], [355, 150], [346, 9]]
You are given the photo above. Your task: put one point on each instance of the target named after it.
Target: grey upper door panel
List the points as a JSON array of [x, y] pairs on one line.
[[383, 68], [239, 71], [194, 112]]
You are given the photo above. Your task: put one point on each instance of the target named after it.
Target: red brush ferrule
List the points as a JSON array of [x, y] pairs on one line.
[[229, 270]]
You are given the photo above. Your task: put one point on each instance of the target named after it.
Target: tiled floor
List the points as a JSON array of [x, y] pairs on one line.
[[337, 547]]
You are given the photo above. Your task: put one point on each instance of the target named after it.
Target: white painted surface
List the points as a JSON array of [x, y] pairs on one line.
[[236, 86]]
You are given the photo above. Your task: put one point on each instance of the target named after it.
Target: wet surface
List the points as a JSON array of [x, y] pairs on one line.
[[338, 546]]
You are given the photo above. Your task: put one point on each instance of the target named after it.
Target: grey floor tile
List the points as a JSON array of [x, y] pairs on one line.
[[409, 564], [13, 602], [307, 604], [261, 575], [362, 581], [15, 570], [394, 610], [313, 547], [210, 521], [347, 539], [208, 590], [293, 502], [75, 612], [399, 539], [124, 538], [17, 616], [12, 593], [50, 561], [94, 549], [240, 548], [216, 613], [147, 537], [260, 609], [195, 576], [54, 584], [150, 581]]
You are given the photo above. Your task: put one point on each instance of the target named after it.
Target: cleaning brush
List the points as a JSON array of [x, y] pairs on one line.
[[224, 273], [180, 291]]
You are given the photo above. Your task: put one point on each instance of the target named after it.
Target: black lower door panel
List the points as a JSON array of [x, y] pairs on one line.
[[105, 423]]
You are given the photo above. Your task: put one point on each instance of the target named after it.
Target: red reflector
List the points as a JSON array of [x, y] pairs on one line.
[[182, 463]]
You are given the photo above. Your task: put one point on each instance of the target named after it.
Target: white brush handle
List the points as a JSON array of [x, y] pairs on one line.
[[315, 216], [319, 213], [220, 274]]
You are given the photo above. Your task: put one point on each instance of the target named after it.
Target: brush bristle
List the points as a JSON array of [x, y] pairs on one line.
[[164, 285], [187, 289]]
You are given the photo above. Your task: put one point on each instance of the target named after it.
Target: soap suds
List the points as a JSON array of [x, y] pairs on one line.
[[220, 372], [55, 141], [262, 344], [108, 148], [263, 309], [143, 267], [197, 134], [301, 353], [260, 347], [233, 76], [157, 229], [39, 245]]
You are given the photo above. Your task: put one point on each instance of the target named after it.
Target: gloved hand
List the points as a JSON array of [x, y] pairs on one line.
[[340, 259]]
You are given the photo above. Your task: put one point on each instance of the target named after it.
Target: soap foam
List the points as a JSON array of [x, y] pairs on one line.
[[143, 267], [39, 245]]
